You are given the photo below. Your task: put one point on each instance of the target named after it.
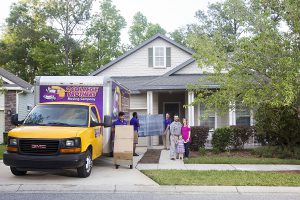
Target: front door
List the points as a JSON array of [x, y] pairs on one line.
[[172, 109]]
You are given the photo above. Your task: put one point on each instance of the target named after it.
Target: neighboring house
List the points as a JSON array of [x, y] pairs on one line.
[[17, 98], [157, 72]]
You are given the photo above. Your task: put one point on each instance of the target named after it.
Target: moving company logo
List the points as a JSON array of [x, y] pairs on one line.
[[74, 91], [70, 93], [54, 93]]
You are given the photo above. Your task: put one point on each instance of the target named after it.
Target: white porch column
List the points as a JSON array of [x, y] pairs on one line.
[[232, 115], [191, 109], [149, 112], [252, 120]]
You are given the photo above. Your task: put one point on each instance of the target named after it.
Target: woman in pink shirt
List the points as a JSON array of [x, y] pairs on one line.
[[186, 134]]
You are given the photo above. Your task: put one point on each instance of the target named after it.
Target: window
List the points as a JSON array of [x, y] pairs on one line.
[[159, 58], [207, 120], [242, 116], [94, 117]]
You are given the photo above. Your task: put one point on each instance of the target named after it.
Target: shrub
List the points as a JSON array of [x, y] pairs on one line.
[[277, 152], [278, 126], [240, 135], [199, 136], [202, 151], [221, 139]]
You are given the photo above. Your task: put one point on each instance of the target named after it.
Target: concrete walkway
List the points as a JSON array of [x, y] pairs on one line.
[[103, 174], [166, 163]]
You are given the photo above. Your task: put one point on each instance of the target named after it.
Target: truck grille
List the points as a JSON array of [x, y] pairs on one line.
[[39, 146]]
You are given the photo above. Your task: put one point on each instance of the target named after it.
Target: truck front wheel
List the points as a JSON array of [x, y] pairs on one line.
[[17, 172], [86, 169]]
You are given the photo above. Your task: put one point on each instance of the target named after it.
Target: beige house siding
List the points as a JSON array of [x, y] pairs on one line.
[[137, 63], [194, 69], [25, 99]]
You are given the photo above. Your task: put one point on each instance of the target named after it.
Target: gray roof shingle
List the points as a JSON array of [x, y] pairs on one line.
[[176, 82], [16, 80]]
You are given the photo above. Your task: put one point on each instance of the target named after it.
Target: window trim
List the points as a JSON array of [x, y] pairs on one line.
[[165, 57]]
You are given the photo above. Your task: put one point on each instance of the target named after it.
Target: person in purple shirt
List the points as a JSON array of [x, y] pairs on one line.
[[135, 122], [166, 135]]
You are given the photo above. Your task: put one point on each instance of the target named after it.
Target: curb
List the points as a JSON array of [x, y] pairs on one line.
[[17, 188]]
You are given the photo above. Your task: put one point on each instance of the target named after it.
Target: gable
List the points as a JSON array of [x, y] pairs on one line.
[[136, 62]]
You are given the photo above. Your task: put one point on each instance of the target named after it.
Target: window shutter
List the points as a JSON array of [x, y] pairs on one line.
[[168, 56], [150, 57]]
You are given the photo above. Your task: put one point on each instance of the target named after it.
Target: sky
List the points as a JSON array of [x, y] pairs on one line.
[[170, 14]]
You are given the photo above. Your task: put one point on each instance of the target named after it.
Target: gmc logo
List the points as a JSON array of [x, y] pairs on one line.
[[38, 146]]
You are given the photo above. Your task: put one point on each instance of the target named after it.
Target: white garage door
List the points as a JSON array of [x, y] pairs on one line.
[[1, 125]]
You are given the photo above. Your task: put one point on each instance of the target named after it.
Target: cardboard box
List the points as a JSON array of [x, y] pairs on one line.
[[124, 132], [123, 145], [123, 156]]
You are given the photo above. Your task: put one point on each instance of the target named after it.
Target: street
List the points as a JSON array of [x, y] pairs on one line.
[[145, 196]]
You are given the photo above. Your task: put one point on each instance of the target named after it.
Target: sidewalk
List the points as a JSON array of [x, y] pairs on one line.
[[166, 163]]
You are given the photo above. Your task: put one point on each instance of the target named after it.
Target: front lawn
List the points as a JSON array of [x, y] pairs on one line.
[[2, 149], [223, 178], [217, 159]]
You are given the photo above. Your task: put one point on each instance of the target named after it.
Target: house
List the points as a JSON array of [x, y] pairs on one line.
[[157, 72], [17, 98]]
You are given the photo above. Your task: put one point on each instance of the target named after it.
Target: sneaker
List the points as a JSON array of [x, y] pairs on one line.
[[135, 154], [172, 158]]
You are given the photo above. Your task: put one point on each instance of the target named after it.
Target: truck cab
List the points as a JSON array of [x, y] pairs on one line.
[[56, 135]]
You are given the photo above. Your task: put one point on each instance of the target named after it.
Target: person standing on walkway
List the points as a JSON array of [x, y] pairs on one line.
[[186, 134], [135, 122], [175, 131], [166, 135]]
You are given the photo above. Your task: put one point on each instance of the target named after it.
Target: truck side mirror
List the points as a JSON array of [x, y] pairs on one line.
[[107, 121], [15, 119]]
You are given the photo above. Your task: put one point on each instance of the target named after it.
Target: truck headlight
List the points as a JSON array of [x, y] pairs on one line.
[[12, 142], [72, 142]]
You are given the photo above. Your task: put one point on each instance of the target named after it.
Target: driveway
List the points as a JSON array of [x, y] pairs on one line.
[[104, 173]]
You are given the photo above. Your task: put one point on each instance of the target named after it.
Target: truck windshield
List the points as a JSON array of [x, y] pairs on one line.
[[58, 115]]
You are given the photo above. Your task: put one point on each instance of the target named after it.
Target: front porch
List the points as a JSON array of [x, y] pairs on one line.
[[173, 101]]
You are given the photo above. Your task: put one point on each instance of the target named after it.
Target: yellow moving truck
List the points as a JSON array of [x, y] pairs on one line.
[[69, 127]]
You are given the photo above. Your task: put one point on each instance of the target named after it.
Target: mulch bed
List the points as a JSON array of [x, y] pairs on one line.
[[151, 156]]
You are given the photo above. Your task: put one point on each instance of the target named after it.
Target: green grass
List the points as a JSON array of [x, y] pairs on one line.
[[2, 149], [223, 178], [215, 159]]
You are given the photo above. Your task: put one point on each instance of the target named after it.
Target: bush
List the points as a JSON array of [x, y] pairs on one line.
[[199, 136], [240, 135], [278, 126], [277, 152], [221, 139], [202, 151]]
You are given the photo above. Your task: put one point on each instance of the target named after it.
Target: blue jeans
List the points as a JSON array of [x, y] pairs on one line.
[[187, 149]]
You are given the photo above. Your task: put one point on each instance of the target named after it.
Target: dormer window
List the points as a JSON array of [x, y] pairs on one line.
[[159, 58]]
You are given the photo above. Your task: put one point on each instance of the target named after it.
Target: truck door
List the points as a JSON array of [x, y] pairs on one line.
[[97, 138]]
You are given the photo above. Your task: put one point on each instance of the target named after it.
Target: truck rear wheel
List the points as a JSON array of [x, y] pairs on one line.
[[86, 169], [17, 172]]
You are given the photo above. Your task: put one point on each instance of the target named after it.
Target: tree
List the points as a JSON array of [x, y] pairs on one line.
[[141, 29], [103, 36], [70, 16], [180, 36], [257, 64], [29, 46]]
